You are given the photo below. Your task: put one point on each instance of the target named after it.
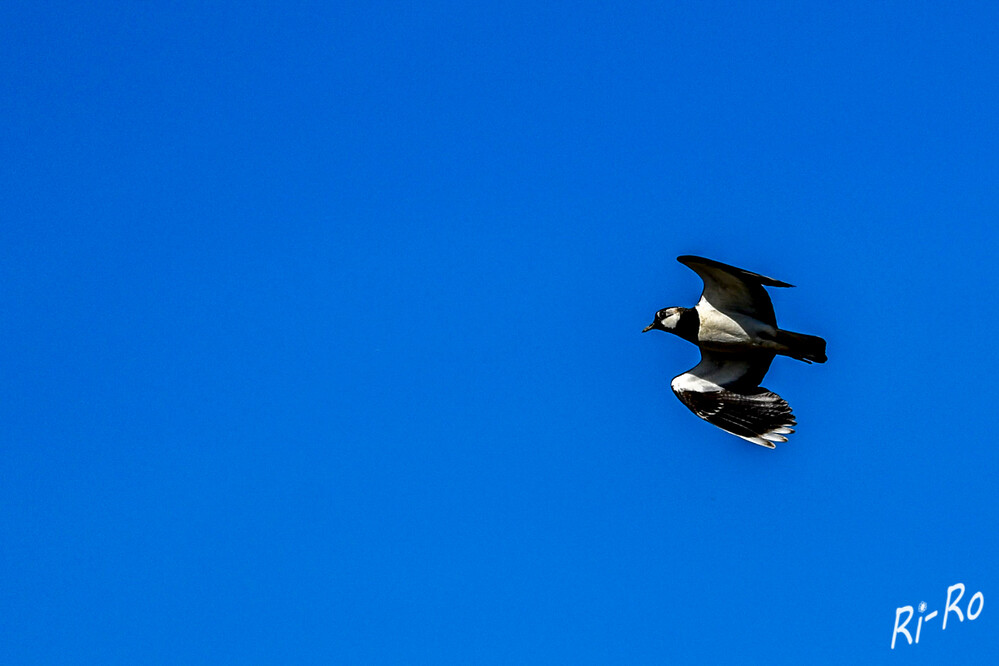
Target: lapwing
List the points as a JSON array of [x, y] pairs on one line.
[[736, 330]]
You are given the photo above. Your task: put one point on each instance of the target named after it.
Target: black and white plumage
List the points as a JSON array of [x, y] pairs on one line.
[[735, 327]]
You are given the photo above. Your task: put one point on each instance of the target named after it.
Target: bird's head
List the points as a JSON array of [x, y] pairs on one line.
[[666, 319]]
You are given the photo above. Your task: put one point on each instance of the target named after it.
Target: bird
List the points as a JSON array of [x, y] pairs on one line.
[[735, 327]]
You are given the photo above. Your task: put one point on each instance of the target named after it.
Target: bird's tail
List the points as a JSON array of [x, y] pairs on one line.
[[803, 347]]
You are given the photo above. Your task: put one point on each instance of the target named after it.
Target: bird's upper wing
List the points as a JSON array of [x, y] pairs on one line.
[[732, 289], [723, 389]]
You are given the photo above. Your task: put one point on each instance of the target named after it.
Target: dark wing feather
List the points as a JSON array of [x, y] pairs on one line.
[[723, 389], [732, 289], [762, 417]]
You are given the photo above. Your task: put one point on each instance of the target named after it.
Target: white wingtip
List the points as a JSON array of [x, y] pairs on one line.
[[760, 441]]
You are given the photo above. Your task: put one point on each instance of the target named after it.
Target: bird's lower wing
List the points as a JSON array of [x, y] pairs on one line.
[[758, 416]]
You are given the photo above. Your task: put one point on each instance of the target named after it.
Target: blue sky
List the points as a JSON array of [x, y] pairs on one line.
[[321, 331]]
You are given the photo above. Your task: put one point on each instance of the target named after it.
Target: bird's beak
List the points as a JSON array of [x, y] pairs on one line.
[[649, 327]]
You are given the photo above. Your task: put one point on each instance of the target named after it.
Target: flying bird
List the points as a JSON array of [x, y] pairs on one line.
[[735, 327]]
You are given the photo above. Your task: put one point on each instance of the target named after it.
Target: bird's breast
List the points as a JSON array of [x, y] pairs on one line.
[[724, 329]]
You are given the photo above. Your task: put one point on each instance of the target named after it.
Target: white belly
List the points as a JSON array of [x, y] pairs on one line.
[[723, 329]]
